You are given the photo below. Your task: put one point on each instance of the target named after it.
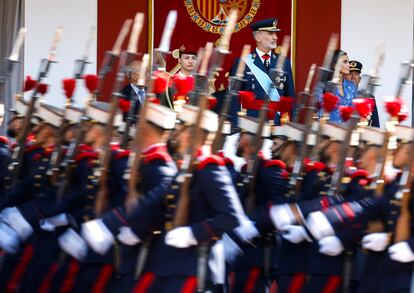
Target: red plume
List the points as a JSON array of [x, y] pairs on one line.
[[330, 101], [29, 83], [42, 88], [393, 107], [346, 112], [160, 82], [124, 105], [69, 85], [154, 100], [91, 82], [183, 84], [363, 106], [212, 102], [247, 99]]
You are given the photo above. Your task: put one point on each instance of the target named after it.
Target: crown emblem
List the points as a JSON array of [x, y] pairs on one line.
[[182, 48], [275, 23]]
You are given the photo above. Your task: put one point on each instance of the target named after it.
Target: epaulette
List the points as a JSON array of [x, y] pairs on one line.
[[4, 140], [85, 152], [314, 166], [360, 173], [32, 147], [121, 154], [275, 163], [158, 156], [213, 159], [227, 161]]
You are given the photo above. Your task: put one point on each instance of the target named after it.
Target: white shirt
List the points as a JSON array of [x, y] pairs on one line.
[[261, 53], [137, 90]]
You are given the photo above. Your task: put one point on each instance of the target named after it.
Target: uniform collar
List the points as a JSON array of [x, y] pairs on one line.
[[157, 147], [261, 53]]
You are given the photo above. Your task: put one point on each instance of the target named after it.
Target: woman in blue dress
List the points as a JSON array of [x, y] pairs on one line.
[[345, 90]]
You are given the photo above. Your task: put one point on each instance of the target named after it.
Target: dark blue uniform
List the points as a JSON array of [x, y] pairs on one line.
[[157, 169], [254, 268], [5, 157], [251, 84], [214, 210]]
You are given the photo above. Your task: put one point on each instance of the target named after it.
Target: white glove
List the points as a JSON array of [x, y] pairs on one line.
[[97, 235], [49, 224], [127, 237], [295, 234], [14, 219], [331, 246], [181, 237], [319, 225], [231, 249], [375, 241], [73, 244], [246, 231], [9, 239], [401, 252], [281, 215]]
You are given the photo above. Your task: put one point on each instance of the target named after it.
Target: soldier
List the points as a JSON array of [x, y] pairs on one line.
[[253, 270], [32, 184], [355, 68], [172, 263], [157, 169], [258, 70]]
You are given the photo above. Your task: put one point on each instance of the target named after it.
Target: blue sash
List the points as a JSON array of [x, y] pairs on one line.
[[263, 79]]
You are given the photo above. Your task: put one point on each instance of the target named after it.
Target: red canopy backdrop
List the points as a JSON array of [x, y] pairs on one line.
[[201, 21]]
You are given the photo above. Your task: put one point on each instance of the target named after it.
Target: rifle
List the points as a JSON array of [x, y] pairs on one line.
[[106, 153], [253, 162], [11, 61], [296, 178], [18, 154], [403, 225], [323, 75], [234, 87], [136, 31], [68, 162], [57, 155]]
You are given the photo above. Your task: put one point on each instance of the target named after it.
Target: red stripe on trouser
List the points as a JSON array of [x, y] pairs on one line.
[[252, 279], [144, 283], [190, 285], [103, 279], [273, 287], [20, 269], [45, 285], [232, 279], [297, 283], [332, 284], [69, 281]]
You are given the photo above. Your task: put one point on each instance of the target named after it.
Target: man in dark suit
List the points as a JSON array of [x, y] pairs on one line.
[[355, 68], [132, 92], [259, 63]]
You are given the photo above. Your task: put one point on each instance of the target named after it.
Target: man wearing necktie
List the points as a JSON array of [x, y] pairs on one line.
[[132, 93], [257, 73]]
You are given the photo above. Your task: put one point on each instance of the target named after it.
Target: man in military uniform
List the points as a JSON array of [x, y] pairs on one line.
[[259, 65], [355, 68]]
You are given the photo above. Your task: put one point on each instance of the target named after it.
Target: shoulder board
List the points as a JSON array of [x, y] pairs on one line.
[[228, 162], [360, 173], [85, 148], [314, 166], [31, 148], [4, 140], [119, 154], [213, 159], [275, 163], [159, 156], [85, 155]]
